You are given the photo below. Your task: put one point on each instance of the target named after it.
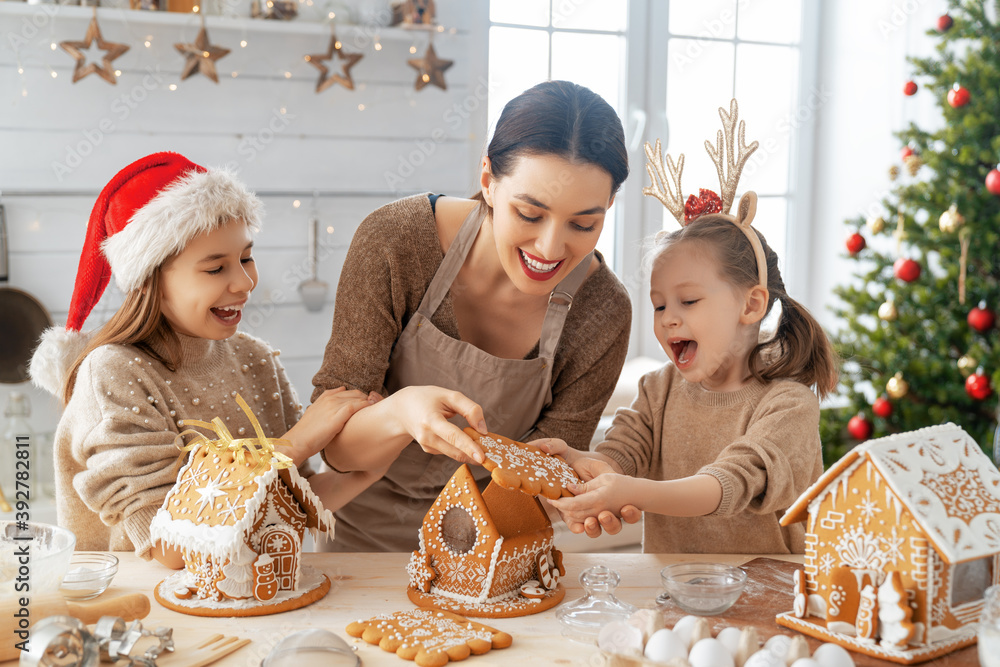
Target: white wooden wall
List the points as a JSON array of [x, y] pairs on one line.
[[61, 142]]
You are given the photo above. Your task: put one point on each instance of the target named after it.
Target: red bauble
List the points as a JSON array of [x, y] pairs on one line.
[[944, 23], [981, 318], [905, 153], [978, 386], [906, 270], [882, 407], [859, 427], [993, 181], [855, 243], [959, 96], [909, 88]]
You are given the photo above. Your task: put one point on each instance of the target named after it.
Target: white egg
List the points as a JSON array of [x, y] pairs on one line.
[[710, 653], [664, 645], [778, 645], [833, 655], [764, 658], [730, 637], [620, 637], [683, 627], [805, 662]]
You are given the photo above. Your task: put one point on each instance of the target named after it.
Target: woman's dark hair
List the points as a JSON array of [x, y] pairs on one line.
[[564, 119], [799, 349]]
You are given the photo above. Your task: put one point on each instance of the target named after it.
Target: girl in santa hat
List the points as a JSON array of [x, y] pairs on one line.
[[178, 238]]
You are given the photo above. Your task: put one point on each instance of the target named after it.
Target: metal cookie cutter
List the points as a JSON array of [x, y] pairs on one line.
[[63, 641]]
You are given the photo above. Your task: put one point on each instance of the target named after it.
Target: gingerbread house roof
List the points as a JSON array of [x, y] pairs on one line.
[[214, 503], [940, 475]]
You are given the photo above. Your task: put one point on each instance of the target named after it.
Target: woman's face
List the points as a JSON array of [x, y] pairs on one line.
[[548, 213], [204, 287]]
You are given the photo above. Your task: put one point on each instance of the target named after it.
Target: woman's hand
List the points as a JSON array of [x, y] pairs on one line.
[[423, 412], [324, 419], [598, 504]]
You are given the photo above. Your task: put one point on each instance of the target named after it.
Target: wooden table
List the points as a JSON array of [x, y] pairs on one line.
[[368, 584]]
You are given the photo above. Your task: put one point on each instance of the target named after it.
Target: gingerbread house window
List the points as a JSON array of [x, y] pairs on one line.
[[970, 579], [458, 530]]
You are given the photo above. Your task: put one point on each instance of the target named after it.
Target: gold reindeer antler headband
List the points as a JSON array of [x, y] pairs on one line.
[[729, 160]]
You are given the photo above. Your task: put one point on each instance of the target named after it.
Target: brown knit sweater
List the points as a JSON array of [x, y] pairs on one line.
[[393, 257], [761, 443], [115, 449]]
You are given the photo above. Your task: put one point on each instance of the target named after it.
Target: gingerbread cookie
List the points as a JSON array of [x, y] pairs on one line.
[[429, 637], [517, 465]]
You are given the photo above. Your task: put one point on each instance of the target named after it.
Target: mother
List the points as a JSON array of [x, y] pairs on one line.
[[458, 308]]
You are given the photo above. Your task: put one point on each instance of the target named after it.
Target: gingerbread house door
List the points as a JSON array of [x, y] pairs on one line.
[[279, 543]]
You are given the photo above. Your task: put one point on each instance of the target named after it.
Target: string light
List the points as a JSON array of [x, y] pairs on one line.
[[234, 75], [329, 230], [361, 107], [243, 44], [52, 46], [413, 49], [296, 203], [172, 86], [288, 75], [118, 72]]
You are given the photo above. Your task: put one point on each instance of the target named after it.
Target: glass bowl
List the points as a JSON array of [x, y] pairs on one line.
[[704, 589], [40, 549], [89, 575], [312, 648]]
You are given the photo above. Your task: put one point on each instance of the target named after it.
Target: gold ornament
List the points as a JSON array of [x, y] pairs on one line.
[[893, 172], [913, 164], [106, 71], [332, 51], [897, 387], [876, 224], [430, 69], [967, 365], [887, 311], [951, 220], [201, 56]]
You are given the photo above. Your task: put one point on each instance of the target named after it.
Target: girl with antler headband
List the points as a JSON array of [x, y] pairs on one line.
[[720, 441]]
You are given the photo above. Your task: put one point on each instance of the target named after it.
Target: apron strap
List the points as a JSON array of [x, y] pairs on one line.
[[451, 264], [560, 300]]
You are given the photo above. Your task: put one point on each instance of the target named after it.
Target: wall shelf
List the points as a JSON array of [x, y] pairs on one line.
[[299, 25]]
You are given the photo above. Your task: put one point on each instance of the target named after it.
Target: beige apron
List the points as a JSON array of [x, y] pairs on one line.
[[512, 393]]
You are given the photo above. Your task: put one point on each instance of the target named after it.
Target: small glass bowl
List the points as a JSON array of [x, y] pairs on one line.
[[703, 589], [50, 548], [313, 647], [89, 575]]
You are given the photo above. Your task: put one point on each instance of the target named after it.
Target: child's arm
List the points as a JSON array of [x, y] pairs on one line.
[[323, 420], [696, 495]]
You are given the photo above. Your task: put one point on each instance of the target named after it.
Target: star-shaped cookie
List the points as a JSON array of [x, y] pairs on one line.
[[429, 637], [106, 71], [430, 69], [520, 466], [201, 56], [334, 50]]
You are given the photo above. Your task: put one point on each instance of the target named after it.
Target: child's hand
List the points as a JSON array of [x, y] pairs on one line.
[[598, 504], [324, 419], [587, 465]]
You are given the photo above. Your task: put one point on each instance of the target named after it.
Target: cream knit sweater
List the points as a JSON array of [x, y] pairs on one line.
[[115, 448], [761, 442]]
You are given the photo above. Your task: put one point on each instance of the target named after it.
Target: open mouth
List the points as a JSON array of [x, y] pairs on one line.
[[683, 351], [229, 314], [536, 269]]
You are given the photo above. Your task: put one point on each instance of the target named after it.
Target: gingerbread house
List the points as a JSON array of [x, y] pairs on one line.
[[238, 517], [902, 539], [485, 554]]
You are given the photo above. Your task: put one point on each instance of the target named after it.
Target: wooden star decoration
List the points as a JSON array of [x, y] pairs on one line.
[[201, 56], [430, 69], [76, 49], [334, 50]]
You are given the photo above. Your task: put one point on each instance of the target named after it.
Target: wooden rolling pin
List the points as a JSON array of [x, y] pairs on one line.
[[131, 607]]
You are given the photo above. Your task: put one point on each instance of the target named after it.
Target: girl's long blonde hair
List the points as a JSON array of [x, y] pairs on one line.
[[799, 350], [139, 322]]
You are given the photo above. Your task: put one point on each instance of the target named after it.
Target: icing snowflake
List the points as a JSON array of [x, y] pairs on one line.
[[868, 508], [278, 544], [893, 545], [461, 573], [229, 512], [421, 571], [209, 493], [827, 563]]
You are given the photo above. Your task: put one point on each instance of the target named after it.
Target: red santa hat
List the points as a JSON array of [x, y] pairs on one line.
[[145, 215]]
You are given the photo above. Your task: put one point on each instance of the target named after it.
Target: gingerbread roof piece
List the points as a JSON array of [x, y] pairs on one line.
[[940, 475], [523, 466]]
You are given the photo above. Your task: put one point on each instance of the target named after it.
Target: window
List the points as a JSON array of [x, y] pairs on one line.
[[576, 40], [666, 66], [970, 579]]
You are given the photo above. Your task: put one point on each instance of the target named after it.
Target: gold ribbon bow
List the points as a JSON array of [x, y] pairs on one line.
[[260, 450]]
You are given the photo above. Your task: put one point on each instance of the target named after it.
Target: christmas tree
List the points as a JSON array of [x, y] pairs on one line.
[[918, 339]]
